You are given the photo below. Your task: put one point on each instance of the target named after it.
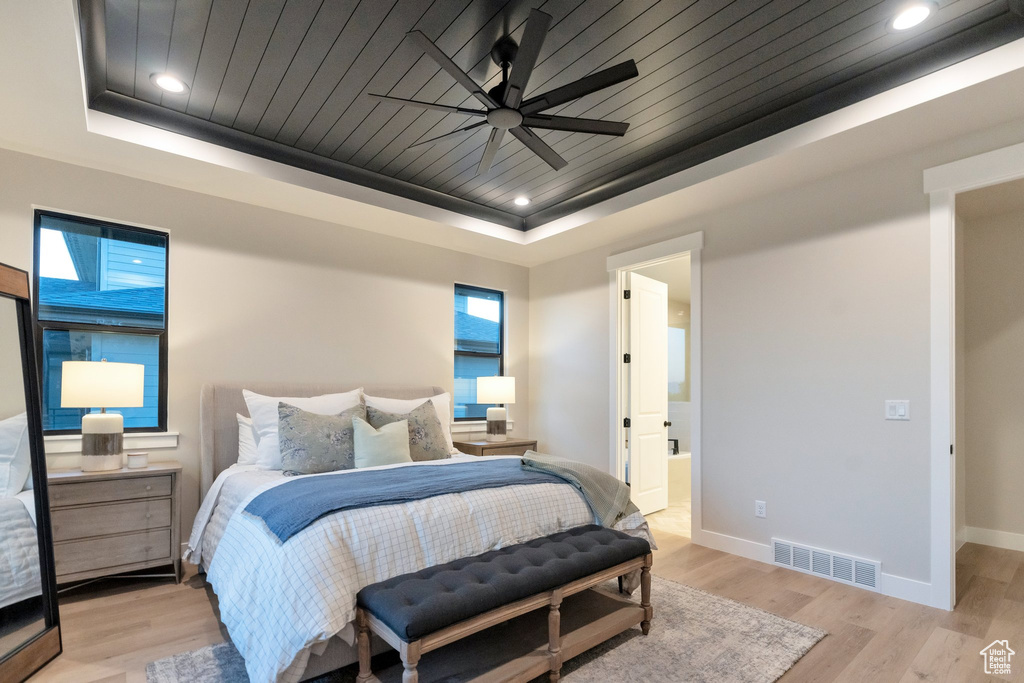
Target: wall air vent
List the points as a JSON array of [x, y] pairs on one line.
[[783, 553], [842, 569], [802, 558], [825, 563]]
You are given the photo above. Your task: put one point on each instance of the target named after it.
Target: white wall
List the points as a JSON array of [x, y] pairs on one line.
[[256, 294], [815, 310], [994, 396], [12, 381]]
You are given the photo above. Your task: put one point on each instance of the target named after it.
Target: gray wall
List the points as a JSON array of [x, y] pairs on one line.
[[260, 295], [815, 311], [994, 396]]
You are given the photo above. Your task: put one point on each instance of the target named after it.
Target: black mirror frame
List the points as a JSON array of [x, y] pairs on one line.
[[33, 654]]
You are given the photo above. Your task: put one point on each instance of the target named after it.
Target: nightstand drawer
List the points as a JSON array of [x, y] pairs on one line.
[[507, 450], [109, 490], [103, 520], [111, 552]]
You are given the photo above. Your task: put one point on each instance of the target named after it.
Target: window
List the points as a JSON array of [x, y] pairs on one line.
[[100, 292], [479, 345]]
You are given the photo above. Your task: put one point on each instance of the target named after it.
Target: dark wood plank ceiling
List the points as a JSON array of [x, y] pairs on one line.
[[287, 79]]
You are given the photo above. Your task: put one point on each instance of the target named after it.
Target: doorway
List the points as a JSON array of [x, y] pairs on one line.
[[656, 380], [944, 185], [674, 274], [988, 421]]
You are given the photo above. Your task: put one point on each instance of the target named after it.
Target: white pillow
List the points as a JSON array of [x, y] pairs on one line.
[[263, 411], [15, 457], [442, 404], [246, 441]]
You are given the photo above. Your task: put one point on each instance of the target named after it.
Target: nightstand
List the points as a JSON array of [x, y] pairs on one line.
[[509, 447], [107, 523]]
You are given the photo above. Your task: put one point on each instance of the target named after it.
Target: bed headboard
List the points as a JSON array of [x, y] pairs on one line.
[[219, 403]]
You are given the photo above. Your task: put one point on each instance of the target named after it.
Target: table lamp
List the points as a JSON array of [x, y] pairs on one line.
[[496, 390], [99, 384]]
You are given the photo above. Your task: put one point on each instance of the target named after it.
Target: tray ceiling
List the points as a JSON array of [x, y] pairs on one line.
[[288, 80]]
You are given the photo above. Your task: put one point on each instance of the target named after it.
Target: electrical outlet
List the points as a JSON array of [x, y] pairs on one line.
[[760, 508]]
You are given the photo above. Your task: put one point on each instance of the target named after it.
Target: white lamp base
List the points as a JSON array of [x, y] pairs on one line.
[[497, 423], [101, 463], [102, 442]]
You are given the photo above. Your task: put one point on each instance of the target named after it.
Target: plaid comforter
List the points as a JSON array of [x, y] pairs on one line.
[[278, 600]]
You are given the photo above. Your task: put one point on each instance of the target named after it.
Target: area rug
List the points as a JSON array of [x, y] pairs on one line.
[[695, 636]]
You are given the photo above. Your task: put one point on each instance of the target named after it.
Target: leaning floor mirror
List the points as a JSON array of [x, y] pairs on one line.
[[29, 626]]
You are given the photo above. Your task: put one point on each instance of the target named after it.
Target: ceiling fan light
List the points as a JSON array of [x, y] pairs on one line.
[[521, 200], [911, 15], [168, 83]]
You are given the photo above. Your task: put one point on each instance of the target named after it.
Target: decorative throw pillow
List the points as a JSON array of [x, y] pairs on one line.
[[388, 445], [312, 443], [263, 411], [426, 438], [442, 404]]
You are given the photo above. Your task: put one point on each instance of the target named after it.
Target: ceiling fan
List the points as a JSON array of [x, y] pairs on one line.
[[505, 107]]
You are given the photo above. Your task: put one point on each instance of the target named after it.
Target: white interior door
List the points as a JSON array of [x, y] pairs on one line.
[[648, 392]]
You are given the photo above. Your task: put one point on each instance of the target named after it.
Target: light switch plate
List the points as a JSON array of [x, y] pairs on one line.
[[897, 410]]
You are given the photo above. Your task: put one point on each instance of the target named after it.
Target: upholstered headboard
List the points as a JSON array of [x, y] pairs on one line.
[[219, 403]]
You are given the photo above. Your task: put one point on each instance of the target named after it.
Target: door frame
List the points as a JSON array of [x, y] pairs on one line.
[[941, 184], [618, 265]]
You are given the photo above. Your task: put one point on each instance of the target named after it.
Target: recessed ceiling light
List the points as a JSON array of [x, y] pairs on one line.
[[169, 83], [911, 15], [522, 201]]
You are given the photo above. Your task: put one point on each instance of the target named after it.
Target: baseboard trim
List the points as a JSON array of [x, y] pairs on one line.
[[889, 584], [961, 537], [751, 550], [903, 588], [997, 539]]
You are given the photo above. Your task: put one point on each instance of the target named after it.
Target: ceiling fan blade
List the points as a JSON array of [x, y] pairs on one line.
[[577, 89], [453, 70], [575, 125], [428, 105], [447, 135], [493, 143], [526, 57], [539, 147]]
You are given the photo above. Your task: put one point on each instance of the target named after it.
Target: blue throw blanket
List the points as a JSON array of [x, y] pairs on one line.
[[289, 508]]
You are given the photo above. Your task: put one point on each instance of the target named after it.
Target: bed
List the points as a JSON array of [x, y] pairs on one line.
[[19, 550], [289, 607]]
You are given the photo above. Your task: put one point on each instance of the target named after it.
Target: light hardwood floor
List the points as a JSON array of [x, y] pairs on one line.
[[111, 630]]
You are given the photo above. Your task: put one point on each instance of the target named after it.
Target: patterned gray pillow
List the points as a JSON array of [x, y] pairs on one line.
[[312, 443], [426, 438]]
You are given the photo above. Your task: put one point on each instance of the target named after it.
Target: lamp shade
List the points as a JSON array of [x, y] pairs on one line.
[[495, 389], [99, 384]]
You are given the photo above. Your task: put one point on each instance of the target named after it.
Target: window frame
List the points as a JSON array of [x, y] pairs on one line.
[[480, 354], [40, 326]]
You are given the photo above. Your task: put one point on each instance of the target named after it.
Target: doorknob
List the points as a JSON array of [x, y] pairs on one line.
[[667, 423]]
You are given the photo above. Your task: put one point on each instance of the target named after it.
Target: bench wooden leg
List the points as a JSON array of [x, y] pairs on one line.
[[645, 594], [410, 658], [555, 635], [365, 673]]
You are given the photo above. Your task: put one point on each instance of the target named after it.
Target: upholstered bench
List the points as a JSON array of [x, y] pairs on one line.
[[426, 610]]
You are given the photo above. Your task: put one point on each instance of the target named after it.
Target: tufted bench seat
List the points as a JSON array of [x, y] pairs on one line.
[[428, 609]]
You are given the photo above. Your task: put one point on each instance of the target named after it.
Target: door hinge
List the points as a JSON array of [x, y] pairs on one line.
[[625, 294], [951, 449], [625, 422], [625, 358]]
